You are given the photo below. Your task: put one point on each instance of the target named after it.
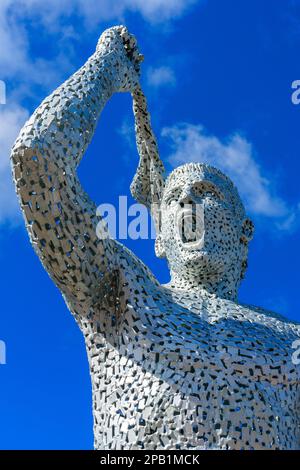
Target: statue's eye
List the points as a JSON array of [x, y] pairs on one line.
[[202, 191], [212, 194]]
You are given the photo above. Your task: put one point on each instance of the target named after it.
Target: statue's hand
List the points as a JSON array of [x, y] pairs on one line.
[[120, 49]]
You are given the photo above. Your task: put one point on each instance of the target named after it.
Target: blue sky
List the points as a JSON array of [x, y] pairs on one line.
[[218, 78]]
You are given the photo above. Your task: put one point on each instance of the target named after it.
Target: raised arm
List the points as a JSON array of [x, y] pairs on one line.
[[148, 182], [60, 218]]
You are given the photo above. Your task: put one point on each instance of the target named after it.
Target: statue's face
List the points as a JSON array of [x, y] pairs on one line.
[[203, 228]]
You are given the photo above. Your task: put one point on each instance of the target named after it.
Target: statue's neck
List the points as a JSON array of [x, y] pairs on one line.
[[225, 288]]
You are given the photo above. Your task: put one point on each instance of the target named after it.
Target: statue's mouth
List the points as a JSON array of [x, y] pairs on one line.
[[190, 227]]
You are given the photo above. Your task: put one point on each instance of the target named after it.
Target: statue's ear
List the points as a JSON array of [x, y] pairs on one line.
[[160, 246], [247, 230]]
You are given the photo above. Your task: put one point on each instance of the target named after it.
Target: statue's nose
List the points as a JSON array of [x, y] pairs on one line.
[[186, 198]]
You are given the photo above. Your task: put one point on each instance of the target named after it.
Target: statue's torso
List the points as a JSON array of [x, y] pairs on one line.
[[169, 371]]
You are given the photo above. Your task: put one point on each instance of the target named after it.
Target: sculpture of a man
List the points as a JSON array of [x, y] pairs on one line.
[[176, 366]]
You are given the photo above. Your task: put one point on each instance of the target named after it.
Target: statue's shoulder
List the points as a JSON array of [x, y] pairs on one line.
[[269, 317], [133, 269]]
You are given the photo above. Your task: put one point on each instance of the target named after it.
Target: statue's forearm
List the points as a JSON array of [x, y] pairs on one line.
[[145, 138], [148, 181]]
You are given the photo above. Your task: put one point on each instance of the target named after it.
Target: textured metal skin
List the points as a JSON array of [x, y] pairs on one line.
[[180, 366]]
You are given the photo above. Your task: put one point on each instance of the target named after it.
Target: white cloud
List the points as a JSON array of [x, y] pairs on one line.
[[159, 10], [126, 130], [52, 16], [94, 12], [235, 157], [55, 18], [161, 76], [15, 61], [12, 119]]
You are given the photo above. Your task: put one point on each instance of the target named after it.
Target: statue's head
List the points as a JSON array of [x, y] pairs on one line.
[[201, 224], [203, 228]]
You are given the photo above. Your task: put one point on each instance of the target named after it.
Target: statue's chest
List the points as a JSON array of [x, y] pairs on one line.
[[223, 342], [175, 376], [194, 352]]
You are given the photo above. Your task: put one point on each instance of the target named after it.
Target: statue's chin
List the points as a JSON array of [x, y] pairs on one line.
[[200, 262]]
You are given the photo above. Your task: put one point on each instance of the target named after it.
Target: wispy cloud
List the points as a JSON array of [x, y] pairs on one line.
[[126, 130], [235, 157], [17, 63], [159, 10], [91, 11], [161, 76], [54, 16], [11, 120]]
